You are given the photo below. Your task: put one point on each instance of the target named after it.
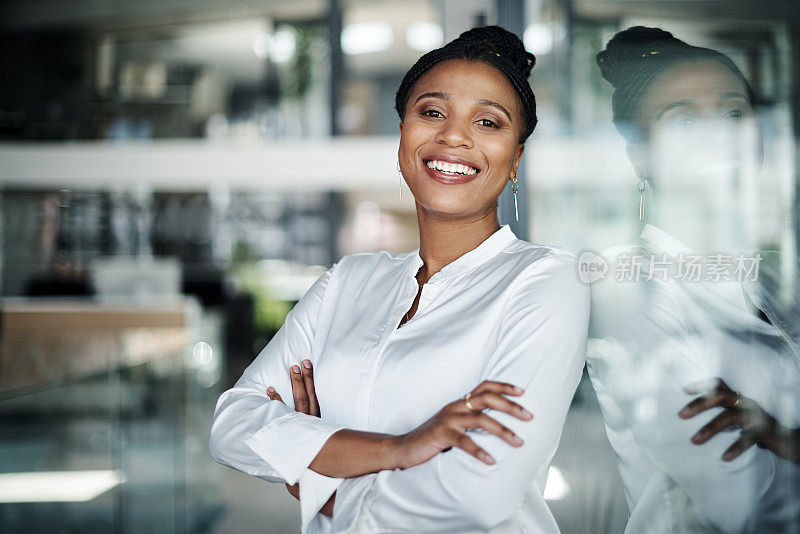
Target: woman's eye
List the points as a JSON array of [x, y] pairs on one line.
[[431, 113], [683, 122], [734, 114], [487, 123]]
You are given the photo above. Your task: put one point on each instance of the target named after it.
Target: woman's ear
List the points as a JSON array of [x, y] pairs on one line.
[[517, 158], [401, 127], [638, 159]]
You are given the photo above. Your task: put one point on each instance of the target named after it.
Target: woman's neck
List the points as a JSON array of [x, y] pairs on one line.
[[442, 242]]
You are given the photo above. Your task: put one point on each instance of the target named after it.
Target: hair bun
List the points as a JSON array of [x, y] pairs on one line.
[[625, 51], [502, 42]]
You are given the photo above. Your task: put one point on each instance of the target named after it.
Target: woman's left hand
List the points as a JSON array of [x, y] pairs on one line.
[[305, 401], [756, 425], [305, 397]]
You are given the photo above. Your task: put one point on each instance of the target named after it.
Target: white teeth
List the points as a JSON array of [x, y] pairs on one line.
[[451, 168]]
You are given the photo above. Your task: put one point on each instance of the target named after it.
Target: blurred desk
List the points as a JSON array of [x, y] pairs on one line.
[[42, 341], [113, 391]]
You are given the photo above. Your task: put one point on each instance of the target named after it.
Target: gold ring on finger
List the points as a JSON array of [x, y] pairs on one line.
[[738, 402], [469, 406]]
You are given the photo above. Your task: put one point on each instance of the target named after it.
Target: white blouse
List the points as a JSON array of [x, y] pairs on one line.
[[508, 310], [656, 336]]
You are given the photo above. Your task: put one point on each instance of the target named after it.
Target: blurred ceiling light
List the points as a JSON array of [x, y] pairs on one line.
[[57, 486], [538, 38], [202, 354], [366, 37], [556, 487], [280, 46], [283, 45], [424, 36]]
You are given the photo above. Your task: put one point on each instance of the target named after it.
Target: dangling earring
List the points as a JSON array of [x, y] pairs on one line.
[[641, 186], [400, 178], [514, 189]]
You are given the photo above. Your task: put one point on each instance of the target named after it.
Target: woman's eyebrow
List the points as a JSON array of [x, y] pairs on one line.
[[679, 103], [493, 104], [433, 94], [733, 94]]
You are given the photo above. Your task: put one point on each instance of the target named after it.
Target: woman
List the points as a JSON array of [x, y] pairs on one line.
[[426, 363], [687, 115]]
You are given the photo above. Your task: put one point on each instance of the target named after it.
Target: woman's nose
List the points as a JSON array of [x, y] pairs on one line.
[[454, 133]]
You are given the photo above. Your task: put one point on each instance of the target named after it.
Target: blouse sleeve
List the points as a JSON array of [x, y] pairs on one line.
[[650, 353], [540, 346], [267, 438]]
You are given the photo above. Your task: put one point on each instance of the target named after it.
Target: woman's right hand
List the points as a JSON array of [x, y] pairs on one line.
[[757, 426], [448, 427]]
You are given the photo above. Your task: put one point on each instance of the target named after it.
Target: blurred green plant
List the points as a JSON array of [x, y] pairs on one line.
[[309, 39], [243, 253], [269, 312]]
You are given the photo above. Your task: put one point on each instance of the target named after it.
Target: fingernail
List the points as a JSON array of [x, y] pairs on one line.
[[697, 438], [271, 389], [295, 369], [526, 413], [517, 440], [684, 412], [518, 389], [485, 457], [728, 456], [307, 364]]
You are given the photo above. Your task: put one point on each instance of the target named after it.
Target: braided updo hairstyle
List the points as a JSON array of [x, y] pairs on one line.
[[491, 44], [634, 57]]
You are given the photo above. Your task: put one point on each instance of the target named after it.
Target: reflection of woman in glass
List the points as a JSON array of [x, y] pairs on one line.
[[383, 437], [667, 331]]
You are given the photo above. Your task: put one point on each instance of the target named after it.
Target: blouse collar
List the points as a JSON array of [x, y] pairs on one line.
[[658, 240], [490, 246], [722, 299]]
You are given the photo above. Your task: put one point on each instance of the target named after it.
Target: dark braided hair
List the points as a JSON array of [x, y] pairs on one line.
[[492, 44], [634, 57]]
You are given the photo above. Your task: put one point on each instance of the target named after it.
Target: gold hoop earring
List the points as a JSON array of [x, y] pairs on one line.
[[400, 178], [514, 189]]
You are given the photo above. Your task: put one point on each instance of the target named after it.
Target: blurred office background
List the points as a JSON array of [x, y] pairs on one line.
[[174, 174]]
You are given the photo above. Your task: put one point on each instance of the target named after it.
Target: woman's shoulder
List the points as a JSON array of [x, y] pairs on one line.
[[537, 258], [547, 271], [371, 262], [547, 281]]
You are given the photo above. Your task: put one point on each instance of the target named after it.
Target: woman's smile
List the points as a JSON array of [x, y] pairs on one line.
[[449, 169]]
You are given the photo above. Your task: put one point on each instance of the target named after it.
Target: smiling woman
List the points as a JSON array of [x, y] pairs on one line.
[[426, 428], [689, 369], [460, 133]]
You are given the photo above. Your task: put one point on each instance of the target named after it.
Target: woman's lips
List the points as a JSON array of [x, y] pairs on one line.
[[450, 170], [449, 179]]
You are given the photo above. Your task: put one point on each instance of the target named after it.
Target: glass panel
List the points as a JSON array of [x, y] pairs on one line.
[[222, 155]]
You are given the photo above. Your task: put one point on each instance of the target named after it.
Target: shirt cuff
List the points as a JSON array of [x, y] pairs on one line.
[[349, 510], [315, 490], [290, 442]]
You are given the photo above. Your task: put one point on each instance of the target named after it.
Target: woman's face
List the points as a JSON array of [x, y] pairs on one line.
[[459, 141], [702, 154], [699, 124]]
